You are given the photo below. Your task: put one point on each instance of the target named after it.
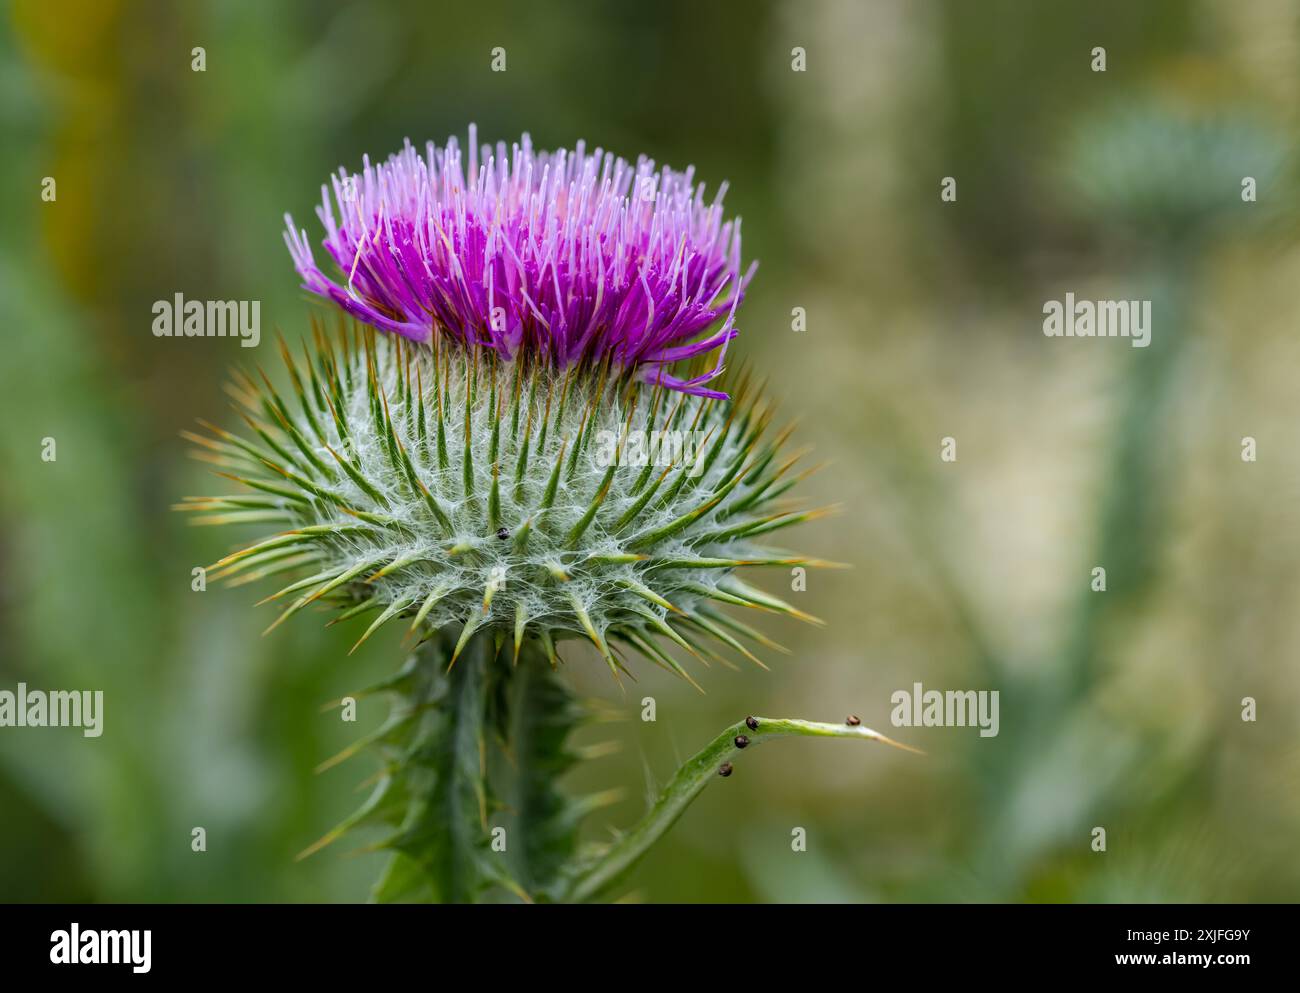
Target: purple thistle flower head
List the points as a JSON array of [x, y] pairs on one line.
[[564, 257]]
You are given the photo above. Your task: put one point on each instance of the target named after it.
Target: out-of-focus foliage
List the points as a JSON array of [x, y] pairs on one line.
[[1119, 709]]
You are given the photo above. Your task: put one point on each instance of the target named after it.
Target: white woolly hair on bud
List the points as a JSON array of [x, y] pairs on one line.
[[451, 488]]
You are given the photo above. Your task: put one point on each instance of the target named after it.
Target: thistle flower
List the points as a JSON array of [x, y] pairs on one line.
[[500, 486], [567, 256]]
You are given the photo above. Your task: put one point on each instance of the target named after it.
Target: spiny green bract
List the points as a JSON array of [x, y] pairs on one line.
[[459, 492]]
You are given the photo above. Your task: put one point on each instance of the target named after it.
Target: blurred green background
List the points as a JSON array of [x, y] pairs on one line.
[[1119, 709]]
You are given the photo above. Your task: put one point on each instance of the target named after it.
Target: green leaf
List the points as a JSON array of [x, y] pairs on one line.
[[614, 862]]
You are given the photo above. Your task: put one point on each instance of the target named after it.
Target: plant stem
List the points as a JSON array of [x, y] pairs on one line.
[[686, 785]]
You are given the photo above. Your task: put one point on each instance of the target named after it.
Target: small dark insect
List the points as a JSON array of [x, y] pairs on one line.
[[751, 723], [503, 534], [741, 741], [724, 770], [852, 720]]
